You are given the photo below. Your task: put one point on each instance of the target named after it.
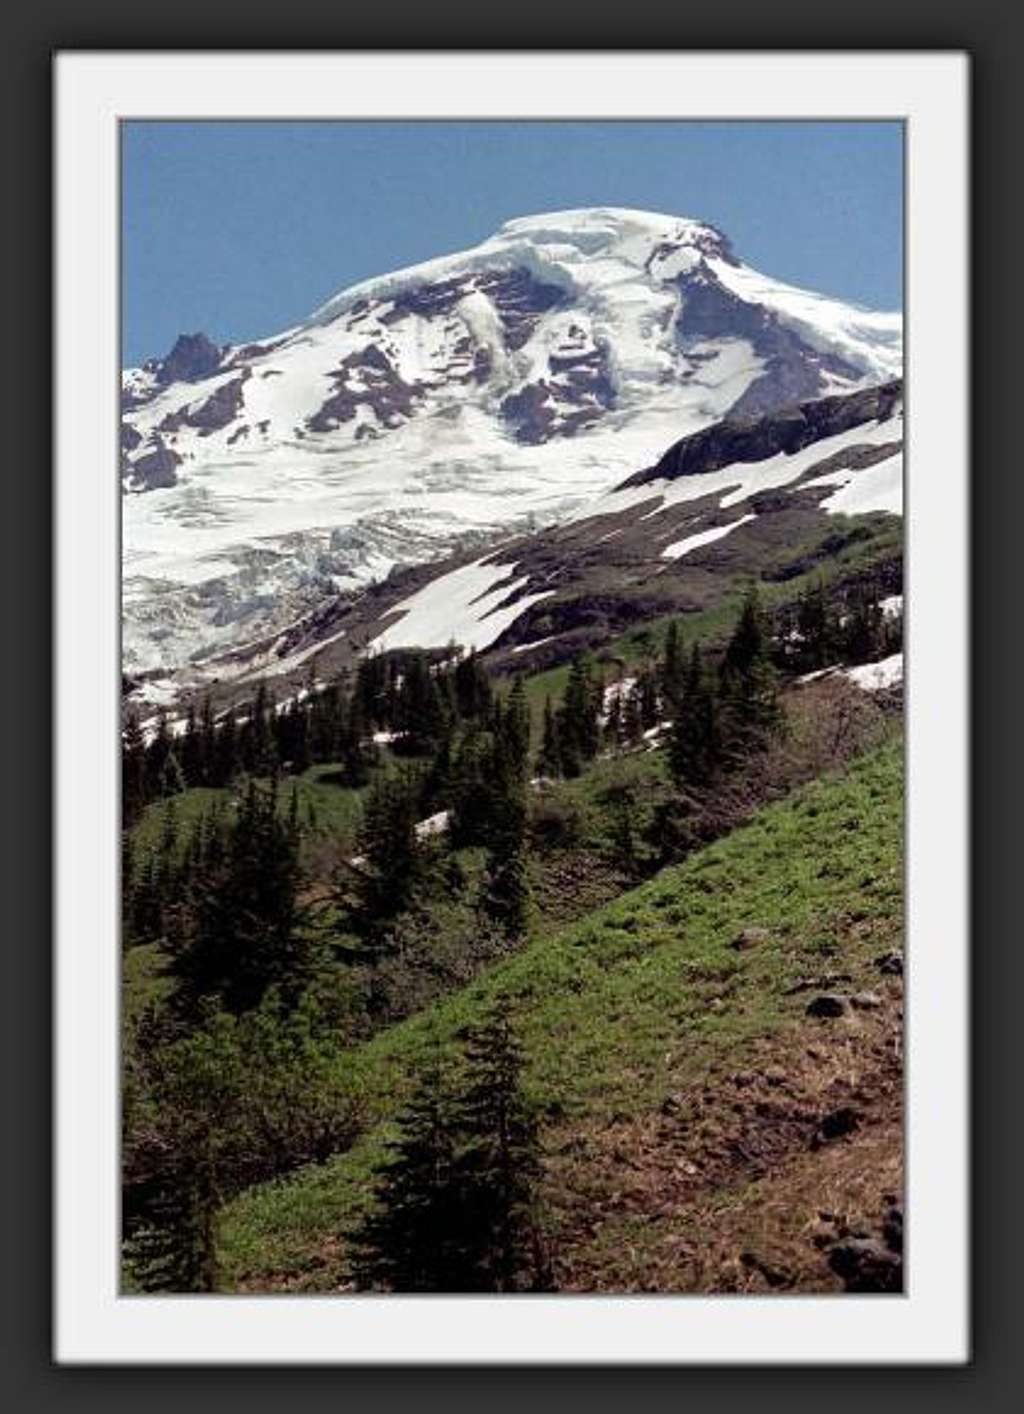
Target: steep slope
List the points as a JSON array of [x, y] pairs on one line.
[[700, 1108], [501, 387]]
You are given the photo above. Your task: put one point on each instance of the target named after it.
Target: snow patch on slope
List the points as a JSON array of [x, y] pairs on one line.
[[874, 488], [679, 548], [461, 607]]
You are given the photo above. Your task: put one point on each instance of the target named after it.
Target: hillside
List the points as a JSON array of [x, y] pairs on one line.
[[716, 1056]]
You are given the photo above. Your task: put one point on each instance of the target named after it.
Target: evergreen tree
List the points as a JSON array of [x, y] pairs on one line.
[[549, 761], [244, 931], [498, 1166], [191, 756], [647, 692], [748, 684], [507, 894], [413, 1238], [673, 668], [579, 729], [816, 629], [133, 772], [455, 1198], [392, 856], [516, 728], [157, 752], [473, 695], [694, 741]]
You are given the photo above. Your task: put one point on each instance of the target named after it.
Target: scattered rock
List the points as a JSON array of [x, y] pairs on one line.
[[838, 1123], [865, 1265], [892, 1229], [812, 984], [866, 1001], [772, 1275], [828, 1006], [749, 938], [890, 963]]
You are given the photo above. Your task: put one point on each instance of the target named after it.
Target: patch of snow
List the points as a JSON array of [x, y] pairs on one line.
[[874, 488], [679, 548], [465, 606], [892, 608], [735, 483], [528, 647], [433, 825], [874, 677]]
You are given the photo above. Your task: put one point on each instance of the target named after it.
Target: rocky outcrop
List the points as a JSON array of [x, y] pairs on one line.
[[193, 357], [366, 379], [741, 439], [217, 411], [154, 469]]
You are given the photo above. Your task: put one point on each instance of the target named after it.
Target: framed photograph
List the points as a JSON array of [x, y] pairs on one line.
[[511, 517]]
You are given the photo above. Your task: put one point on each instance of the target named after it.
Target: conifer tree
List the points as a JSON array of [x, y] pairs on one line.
[[191, 758], [579, 728], [498, 1165], [413, 1239], [550, 759], [694, 740], [673, 668], [157, 752], [392, 856], [133, 776], [245, 932], [473, 695], [747, 684]]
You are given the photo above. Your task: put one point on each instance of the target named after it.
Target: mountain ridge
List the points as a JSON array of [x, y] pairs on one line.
[[491, 391]]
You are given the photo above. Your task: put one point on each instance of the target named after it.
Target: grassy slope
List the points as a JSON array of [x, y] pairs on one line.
[[619, 1011]]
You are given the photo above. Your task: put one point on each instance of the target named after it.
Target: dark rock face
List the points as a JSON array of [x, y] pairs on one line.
[[792, 369], [155, 469], [738, 439], [194, 356], [130, 437], [219, 409], [366, 378], [517, 295], [577, 392]]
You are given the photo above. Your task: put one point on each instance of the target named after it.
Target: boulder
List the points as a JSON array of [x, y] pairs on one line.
[[828, 1006], [864, 1265], [749, 938]]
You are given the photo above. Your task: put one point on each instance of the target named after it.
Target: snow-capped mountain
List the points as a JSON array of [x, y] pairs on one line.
[[490, 391]]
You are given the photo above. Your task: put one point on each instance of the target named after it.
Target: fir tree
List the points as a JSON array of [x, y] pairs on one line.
[[550, 759], [748, 684], [497, 1167], [579, 728], [133, 773], [694, 740], [412, 1240], [673, 668]]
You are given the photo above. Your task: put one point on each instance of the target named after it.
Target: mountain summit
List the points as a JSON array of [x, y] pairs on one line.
[[500, 387]]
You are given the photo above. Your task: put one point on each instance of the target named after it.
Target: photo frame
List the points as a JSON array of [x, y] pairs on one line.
[[93, 1324]]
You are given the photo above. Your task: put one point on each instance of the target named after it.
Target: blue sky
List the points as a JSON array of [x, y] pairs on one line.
[[242, 229]]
